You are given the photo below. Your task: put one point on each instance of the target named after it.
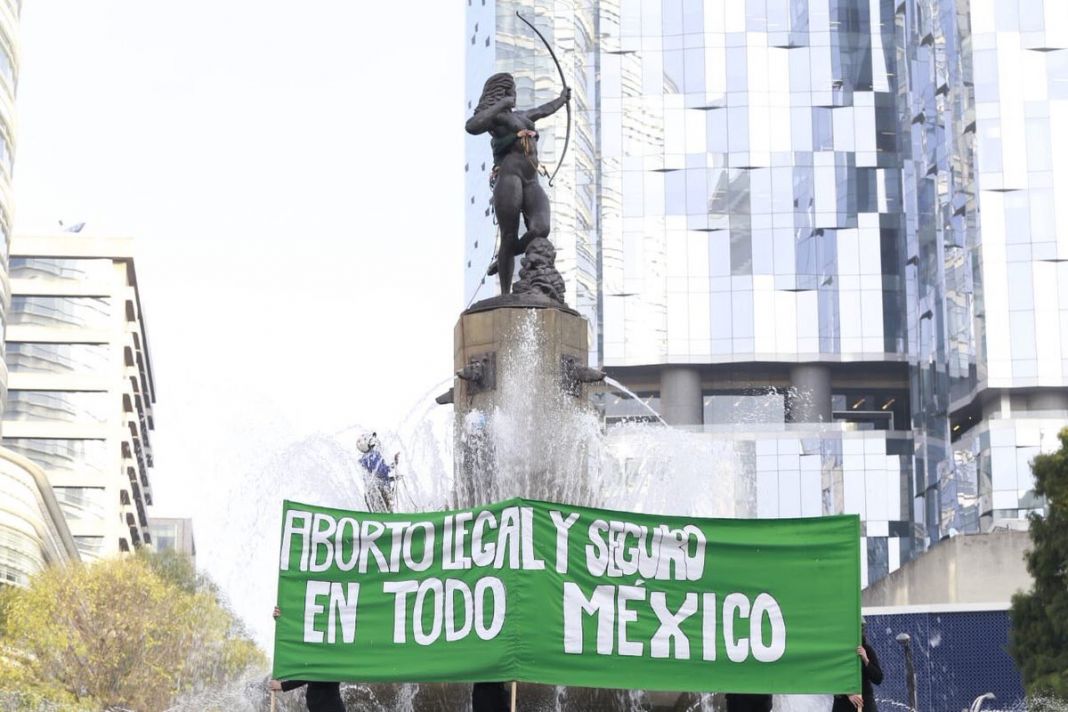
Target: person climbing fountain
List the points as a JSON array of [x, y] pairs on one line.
[[380, 482], [320, 696]]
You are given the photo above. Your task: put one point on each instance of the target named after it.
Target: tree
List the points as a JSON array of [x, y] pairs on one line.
[[134, 632], [1040, 618]]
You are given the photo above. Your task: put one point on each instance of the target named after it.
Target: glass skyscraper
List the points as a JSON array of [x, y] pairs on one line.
[[824, 229]]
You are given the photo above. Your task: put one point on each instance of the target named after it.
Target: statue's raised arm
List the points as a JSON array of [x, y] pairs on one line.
[[549, 108]]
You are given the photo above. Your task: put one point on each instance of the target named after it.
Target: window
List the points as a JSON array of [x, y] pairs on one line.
[[82, 359], [61, 454], [165, 536], [81, 505], [744, 407], [872, 410], [78, 312], [64, 406], [620, 407], [20, 557], [57, 268], [89, 547]]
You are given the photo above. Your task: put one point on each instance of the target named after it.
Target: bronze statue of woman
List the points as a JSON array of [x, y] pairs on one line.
[[515, 165]]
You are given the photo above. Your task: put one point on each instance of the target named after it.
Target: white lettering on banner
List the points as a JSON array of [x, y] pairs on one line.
[[626, 594], [615, 607], [461, 520], [765, 605], [312, 591], [321, 539], [343, 607], [467, 541], [369, 533], [397, 531], [495, 587], [508, 539], [562, 526], [669, 630], [452, 631], [448, 561], [626, 559], [288, 531], [708, 627], [601, 604], [737, 649], [597, 550], [483, 555], [453, 541], [530, 561], [428, 547], [400, 590], [354, 543], [632, 619], [428, 586], [441, 596], [620, 548]]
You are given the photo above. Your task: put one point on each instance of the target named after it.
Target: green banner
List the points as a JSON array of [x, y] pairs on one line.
[[550, 593]]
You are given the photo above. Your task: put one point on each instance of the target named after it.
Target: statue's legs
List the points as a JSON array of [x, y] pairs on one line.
[[535, 215], [508, 204]]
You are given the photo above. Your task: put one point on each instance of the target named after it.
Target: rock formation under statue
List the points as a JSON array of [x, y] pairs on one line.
[[538, 273]]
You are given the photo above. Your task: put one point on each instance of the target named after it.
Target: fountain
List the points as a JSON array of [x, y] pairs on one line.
[[517, 421]]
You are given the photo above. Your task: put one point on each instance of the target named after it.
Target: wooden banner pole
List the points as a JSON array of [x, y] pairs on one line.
[[513, 695]]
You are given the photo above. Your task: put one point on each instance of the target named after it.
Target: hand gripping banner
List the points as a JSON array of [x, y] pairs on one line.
[[549, 593]]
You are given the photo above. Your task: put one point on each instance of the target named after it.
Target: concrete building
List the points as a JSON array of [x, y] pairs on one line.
[[822, 229], [173, 534], [956, 572], [33, 532], [80, 391]]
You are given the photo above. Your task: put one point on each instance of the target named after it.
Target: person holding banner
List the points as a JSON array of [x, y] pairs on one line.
[[379, 476], [320, 696], [870, 672]]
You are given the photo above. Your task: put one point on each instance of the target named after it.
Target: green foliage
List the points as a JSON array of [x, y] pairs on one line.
[[6, 594], [1040, 618], [134, 632]]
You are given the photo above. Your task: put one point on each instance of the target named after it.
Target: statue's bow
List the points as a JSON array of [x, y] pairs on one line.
[[563, 80]]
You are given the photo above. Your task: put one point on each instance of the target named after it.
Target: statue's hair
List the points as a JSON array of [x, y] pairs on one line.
[[496, 88]]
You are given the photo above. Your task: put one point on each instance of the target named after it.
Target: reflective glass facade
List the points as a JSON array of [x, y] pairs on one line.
[[812, 218]]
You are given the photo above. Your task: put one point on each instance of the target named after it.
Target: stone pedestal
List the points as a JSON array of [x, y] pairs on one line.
[[521, 380]]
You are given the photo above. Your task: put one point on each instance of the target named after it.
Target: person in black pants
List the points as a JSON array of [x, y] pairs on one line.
[[738, 702], [490, 697], [870, 673], [320, 696]]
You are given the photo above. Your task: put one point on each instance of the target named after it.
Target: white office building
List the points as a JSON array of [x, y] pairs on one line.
[[80, 390]]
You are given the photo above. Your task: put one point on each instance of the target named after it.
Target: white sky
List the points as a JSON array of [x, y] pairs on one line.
[[292, 173]]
